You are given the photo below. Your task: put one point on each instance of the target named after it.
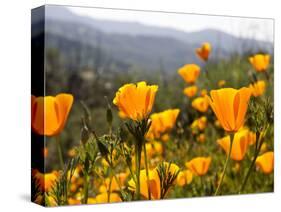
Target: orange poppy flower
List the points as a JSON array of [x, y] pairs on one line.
[[201, 104], [239, 146], [265, 162], [135, 101], [154, 184], [260, 62], [184, 177], [199, 166], [162, 122], [49, 114], [258, 88], [189, 72], [190, 91], [204, 51], [230, 106]]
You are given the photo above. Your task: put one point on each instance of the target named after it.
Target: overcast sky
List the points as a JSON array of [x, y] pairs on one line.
[[257, 28]]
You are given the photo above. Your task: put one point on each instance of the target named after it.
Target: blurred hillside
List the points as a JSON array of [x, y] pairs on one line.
[[121, 46]]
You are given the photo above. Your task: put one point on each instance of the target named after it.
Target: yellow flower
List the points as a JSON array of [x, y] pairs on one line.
[[49, 114], [221, 83], [45, 181], [189, 72], [230, 106], [201, 104], [103, 198], [199, 166], [135, 101], [199, 123], [162, 122], [204, 51], [239, 146], [154, 184], [258, 88], [260, 62], [190, 91], [184, 177], [265, 162]]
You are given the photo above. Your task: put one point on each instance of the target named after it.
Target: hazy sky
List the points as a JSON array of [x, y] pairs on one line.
[[257, 28]]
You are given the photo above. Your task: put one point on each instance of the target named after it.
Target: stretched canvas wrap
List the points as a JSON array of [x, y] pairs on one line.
[[133, 105]]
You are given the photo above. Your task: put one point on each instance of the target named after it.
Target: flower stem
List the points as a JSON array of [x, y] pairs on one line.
[[226, 164], [109, 187], [146, 171], [137, 159], [259, 143], [59, 152], [86, 188]]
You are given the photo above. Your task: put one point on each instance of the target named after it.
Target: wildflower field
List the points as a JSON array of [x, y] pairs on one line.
[[206, 130]]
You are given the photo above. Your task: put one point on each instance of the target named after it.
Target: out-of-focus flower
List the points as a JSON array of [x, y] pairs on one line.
[[199, 165], [221, 83], [265, 162], [199, 123], [203, 92], [45, 181], [49, 114], [154, 184], [189, 72], [239, 146], [162, 122], [184, 177], [135, 101], [201, 104], [103, 198], [258, 88], [165, 137], [91, 200], [201, 138], [204, 51], [260, 62], [73, 201], [71, 153], [230, 106], [190, 91]]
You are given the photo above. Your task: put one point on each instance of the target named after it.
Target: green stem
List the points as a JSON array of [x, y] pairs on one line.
[[86, 188], [259, 143], [60, 152], [146, 171], [225, 165], [137, 160], [109, 187]]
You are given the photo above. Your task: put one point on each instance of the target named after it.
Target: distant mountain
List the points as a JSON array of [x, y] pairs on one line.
[[131, 43]]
